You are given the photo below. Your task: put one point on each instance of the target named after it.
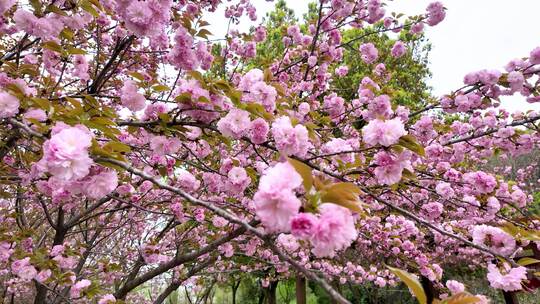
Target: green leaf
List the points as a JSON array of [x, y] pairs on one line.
[[87, 6], [409, 142], [186, 22], [411, 282], [183, 98], [342, 194], [37, 6], [67, 33], [203, 99], [96, 4], [116, 146], [461, 298], [74, 102], [137, 76], [56, 10], [27, 69], [252, 173], [42, 103], [408, 174], [222, 85], [527, 261], [204, 33], [196, 75], [236, 97], [92, 101], [164, 117], [267, 75], [258, 110], [160, 88], [203, 23], [279, 89], [520, 233], [75, 51], [103, 121], [53, 46], [304, 171]]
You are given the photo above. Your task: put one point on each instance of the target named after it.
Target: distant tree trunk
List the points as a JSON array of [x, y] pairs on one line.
[[301, 290], [262, 294], [430, 290], [337, 287], [373, 295], [357, 296], [271, 293], [235, 286], [510, 297]]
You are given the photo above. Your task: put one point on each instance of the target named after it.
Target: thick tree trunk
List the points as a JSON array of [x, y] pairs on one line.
[[510, 297], [270, 293], [301, 290], [430, 290]]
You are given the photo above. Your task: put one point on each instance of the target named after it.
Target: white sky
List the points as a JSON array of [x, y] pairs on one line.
[[476, 34]]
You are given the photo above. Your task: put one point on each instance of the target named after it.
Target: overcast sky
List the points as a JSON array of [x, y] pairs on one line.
[[476, 34]]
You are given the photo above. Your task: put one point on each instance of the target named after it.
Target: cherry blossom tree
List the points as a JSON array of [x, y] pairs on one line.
[[140, 154]]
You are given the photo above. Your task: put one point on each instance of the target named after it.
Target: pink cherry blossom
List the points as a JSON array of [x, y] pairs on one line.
[[399, 49], [436, 13], [182, 55], [37, 114], [445, 190], [65, 155], [80, 67], [369, 52], [455, 286], [433, 210], [101, 184], [389, 167], [334, 230], [290, 140], [259, 131], [227, 250], [480, 181], [78, 287], [5, 251], [235, 124], [9, 105], [494, 238], [275, 200], [263, 94], [385, 133], [250, 78], [508, 280], [303, 225], [43, 275], [187, 181], [107, 299], [144, 18], [6, 5], [23, 269], [130, 98], [162, 145], [288, 242], [534, 56], [238, 179]]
